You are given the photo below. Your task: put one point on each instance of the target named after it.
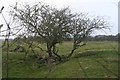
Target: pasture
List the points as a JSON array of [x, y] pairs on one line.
[[94, 60]]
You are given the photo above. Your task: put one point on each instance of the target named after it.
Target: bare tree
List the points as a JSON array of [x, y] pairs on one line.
[[48, 23], [83, 26], [52, 25]]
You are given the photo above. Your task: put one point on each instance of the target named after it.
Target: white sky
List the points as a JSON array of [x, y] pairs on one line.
[[105, 8]]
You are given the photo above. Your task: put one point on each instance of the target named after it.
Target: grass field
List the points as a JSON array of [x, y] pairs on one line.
[[94, 60]]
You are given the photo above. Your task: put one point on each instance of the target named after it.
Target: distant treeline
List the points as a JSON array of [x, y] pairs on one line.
[[68, 38], [103, 38]]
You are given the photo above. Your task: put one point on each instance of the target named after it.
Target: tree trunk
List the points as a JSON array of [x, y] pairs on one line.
[[50, 53], [74, 48], [49, 50], [71, 53], [55, 53]]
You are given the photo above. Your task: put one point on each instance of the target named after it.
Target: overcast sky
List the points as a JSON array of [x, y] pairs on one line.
[[105, 8]]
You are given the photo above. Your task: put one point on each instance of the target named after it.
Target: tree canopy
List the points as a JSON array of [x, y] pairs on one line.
[[53, 25]]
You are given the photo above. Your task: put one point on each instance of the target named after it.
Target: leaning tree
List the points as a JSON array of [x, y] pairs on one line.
[[83, 27], [52, 25]]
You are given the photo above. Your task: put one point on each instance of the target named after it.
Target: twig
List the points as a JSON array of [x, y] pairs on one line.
[[7, 40]]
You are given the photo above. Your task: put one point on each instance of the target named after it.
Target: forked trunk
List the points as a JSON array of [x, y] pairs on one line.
[[49, 50], [55, 52]]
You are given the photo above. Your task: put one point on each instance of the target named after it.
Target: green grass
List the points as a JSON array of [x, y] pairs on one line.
[[94, 60]]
